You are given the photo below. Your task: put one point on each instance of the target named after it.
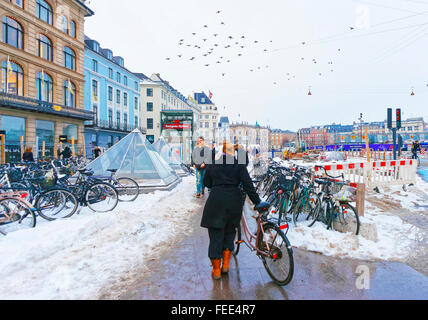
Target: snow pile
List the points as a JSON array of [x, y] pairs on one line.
[[396, 237], [76, 257]]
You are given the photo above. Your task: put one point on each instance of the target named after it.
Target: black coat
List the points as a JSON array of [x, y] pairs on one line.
[[201, 155], [28, 156], [224, 203]]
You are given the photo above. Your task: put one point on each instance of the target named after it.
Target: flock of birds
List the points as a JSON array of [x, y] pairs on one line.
[[218, 48], [214, 49]]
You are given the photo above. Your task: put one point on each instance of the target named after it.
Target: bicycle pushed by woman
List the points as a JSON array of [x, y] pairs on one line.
[[228, 227]]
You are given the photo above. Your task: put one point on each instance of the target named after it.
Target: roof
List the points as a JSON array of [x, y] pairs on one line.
[[89, 12], [224, 119], [198, 97], [142, 76]]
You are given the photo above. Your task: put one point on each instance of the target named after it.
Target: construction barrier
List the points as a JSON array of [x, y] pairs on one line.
[[375, 173]]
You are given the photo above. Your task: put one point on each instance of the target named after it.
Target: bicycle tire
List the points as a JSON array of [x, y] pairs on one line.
[[97, 192], [43, 209], [311, 197], [125, 185], [237, 241], [316, 213], [348, 216], [278, 253], [16, 225]]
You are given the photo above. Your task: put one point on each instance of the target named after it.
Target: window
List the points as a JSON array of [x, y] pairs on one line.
[[149, 123], [136, 86], [110, 93], [44, 85], [118, 77], [69, 58], [135, 103], [64, 24], [12, 78], [73, 29], [110, 73], [95, 90], [214, 124], [125, 80], [95, 110], [151, 138], [110, 118], [149, 92], [118, 118], [207, 116], [149, 106], [118, 96], [125, 99], [14, 126], [44, 11], [45, 48], [94, 65], [13, 33], [19, 3], [135, 121], [125, 121], [110, 141], [202, 100], [207, 125], [69, 94]]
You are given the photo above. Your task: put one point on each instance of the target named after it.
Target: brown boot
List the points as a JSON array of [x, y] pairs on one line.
[[226, 258], [216, 272]]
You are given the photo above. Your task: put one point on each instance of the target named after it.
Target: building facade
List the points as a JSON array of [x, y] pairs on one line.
[[279, 138], [157, 95], [42, 73], [208, 124], [250, 136], [112, 93]]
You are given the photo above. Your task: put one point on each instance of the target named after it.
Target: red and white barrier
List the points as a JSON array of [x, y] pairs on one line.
[[375, 173]]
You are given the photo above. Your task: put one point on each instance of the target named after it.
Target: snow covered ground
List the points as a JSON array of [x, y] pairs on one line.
[[75, 258], [401, 221]]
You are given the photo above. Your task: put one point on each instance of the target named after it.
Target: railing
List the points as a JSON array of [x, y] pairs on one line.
[[114, 125], [24, 103]]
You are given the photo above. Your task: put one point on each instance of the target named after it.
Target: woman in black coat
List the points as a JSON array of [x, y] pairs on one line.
[[223, 209]]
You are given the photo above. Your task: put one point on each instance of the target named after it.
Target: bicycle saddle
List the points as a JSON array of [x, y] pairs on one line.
[[262, 207]]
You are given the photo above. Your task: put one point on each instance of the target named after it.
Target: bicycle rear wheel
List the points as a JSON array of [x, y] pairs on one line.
[[127, 188], [101, 197], [346, 219], [305, 208], [56, 204], [15, 215], [278, 258]]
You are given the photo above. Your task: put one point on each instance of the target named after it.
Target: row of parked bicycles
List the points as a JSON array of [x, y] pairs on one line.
[[54, 190], [302, 195]]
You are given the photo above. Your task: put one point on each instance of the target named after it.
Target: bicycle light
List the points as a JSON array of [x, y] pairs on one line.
[[280, 191]]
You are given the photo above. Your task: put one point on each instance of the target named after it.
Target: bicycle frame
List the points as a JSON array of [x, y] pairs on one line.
[[250, 237]]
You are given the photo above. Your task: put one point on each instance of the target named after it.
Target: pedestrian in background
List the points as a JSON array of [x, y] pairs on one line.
[[66, 153], [223, 209], [97, 152], [28, 155], [199, 162]]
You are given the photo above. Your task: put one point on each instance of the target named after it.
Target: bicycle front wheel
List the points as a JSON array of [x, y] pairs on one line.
[[15, 215], [101, 197], [237, 241], [127, 188], [277, 254], [56, 204]]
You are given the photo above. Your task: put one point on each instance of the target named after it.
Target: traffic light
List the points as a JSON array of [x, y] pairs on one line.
[[398, 118], [389, 118]]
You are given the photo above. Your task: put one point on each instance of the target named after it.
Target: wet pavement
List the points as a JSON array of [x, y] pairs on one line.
[[183, 273]]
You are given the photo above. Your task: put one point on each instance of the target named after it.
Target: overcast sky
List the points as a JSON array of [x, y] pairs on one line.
[[378, 64]]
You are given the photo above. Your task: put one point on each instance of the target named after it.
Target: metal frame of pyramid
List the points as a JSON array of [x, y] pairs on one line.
[[167, 153], [134, 157]]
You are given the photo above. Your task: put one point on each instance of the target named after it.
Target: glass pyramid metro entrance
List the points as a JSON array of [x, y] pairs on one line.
[[170, 154], [135, 157]]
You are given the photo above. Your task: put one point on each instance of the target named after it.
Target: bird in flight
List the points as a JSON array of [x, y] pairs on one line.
[[230, 37], [303, 43], [223, 74], [218, 11], [222, 23], [206, 65], [204, 40], [215, 34], [168, 58], [179, 55], [352, 28], [205, 26], [192, 58], [256, 41], [239, 54], [194, 34], [243, 37]]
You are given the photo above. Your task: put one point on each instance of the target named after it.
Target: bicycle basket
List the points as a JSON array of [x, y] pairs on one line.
[[49, 180], [287, 183], [346, 194], [15, 175]]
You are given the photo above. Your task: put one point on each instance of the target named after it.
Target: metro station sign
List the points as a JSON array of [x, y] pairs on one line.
[[177, 125]]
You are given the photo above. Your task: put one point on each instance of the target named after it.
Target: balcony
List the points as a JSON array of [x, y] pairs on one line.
[[113, 125], [29, 104]]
